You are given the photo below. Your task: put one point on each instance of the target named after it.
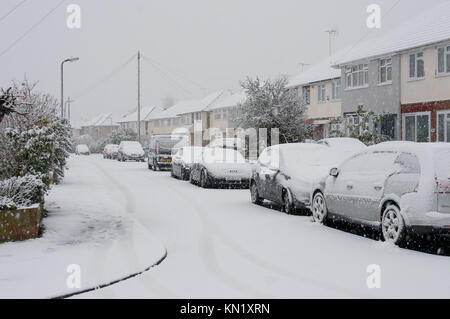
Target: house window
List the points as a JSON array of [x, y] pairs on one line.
[[176, 121], [443, 126], [385, 71], [321, 93], [416, 66], [357, 76], [217, 115], [354, 121], [225, 114], [337, 89], [416, 127], [444, 60], [156, 123], [169, 122], [306, 95], [198, 116], [387, 126]]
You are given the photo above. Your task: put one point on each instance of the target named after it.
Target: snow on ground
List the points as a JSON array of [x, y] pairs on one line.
[[221, 246], [90, 224]]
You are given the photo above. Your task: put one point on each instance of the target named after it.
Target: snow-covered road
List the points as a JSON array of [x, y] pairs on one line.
[[221, 246]]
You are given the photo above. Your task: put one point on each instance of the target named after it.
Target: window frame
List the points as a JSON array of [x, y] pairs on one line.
[[446, 114], [357, 70], [416, 58], [415, 114], [321, 93], [446, 48], [306, 97], [386, 66], [336, 89]]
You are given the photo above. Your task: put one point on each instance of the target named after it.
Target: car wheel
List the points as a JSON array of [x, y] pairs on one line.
[[191, 178], [319, 209], [155, 165], [288, 207], [204, 179], [255, 194], [393, 226]]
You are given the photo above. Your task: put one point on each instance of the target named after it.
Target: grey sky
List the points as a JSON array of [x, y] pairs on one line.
[[205, 45]]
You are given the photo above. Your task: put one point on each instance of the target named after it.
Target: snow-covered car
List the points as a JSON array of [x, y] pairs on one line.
[[286, 174], [345, 147], [183, 160], [221, 166], [130, 151], [161, 149], [229, 143], [111, 151], [397, 187], [82, 149]]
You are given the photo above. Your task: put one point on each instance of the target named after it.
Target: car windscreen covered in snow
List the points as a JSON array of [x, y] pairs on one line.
[[222, 155], [442, 163], [132, 147]]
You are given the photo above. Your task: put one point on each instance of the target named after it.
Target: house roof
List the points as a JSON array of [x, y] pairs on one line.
[[145, 114], [186, 107], [432, 26], [316, 73], [228, 100], [103, 119]]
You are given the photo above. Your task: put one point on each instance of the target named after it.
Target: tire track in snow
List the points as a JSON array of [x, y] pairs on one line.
[[251, 257]]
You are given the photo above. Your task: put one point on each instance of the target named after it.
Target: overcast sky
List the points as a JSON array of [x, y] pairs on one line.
[[199, 46]]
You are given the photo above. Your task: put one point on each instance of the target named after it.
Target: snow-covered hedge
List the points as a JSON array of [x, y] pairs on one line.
[[21, 192]]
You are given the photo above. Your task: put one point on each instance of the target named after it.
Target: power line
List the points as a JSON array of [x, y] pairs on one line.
[[12, 10], [370, 31], [197, 85], [34, 26], [167, 76], [106, 78]]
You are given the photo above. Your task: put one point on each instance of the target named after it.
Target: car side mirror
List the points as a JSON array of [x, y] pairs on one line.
[[334, 172]]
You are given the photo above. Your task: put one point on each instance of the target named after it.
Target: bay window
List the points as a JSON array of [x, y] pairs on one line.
[[443, 126], [337, 89], [357, 76], [321, 93], [416, 127]]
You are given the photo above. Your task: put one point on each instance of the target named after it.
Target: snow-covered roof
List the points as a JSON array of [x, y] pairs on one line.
[[146, 112], [103, 119], [228, 100], [319, 72], [200, 105], [432, 26], [186, 107]]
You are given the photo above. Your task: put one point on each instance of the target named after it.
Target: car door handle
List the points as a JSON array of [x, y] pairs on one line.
[[378, 187], [349, 186]]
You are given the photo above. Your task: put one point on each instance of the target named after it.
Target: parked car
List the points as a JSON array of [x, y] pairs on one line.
[[161, 149], [344, 146], [82, 149], [183, 160], [229, 143], [286, 174], [129, 150], [396, 187], [110, 151], [221, 166]]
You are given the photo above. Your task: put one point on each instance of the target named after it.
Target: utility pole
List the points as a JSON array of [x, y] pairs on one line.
[[331, 33], [139, 98], [69, 100]]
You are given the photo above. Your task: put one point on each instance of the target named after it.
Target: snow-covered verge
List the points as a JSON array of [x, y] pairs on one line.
[[90, 225]]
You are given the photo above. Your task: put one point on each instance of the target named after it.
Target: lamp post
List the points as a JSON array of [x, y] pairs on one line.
[[62, 82]]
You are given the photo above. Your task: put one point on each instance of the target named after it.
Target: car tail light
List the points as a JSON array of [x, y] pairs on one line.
[[442, 187], [416, 189]]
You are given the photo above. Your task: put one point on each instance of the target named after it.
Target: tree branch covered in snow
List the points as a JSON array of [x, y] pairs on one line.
[[269, 105], [21, 192]]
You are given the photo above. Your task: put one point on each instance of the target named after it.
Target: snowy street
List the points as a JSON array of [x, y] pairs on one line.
[[219, 245]]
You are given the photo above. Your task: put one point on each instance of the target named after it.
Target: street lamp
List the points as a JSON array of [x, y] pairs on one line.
[[62, 82]]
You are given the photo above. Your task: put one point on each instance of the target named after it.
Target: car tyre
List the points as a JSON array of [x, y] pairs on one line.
[[288, 207], [319, 209], [204, 183], [393, 227], [256, 199]]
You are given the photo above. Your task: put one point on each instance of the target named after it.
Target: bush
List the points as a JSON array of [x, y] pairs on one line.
[[21, 192]]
